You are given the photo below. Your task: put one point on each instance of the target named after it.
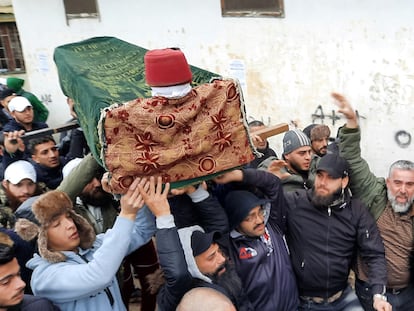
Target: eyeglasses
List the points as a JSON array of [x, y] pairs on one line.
[[252, 217]]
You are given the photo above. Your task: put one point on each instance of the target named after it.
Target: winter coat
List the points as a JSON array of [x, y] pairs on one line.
[[371, 190], [324, 241], [87, 280], [265, 271]]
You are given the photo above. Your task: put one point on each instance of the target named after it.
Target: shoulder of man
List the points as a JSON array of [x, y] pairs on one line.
[[34, 303], [3, 197], [7, 217]]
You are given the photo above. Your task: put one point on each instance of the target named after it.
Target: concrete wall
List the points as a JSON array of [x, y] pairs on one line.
[[290, 66]]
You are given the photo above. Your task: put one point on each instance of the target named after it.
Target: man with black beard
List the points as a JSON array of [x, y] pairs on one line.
[[390, 201], [188, 256], [327, 228], [214, 264]]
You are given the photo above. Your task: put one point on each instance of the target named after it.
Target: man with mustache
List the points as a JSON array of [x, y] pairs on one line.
[[319, 137], [326, 228], [12, 287], [390, 201], [257, 247], [189, 257]]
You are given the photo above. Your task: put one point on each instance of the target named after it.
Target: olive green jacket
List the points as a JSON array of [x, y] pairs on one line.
[[371, 190]]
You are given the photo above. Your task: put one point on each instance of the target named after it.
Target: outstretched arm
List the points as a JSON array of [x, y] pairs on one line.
[[363, 183], [169, 249], [67, 281]]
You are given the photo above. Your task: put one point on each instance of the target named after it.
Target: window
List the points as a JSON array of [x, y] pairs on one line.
[[252, 8], [11, 56], [80, 9]]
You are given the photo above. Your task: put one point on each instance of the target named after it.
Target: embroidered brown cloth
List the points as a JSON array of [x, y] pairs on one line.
[[182, 140]]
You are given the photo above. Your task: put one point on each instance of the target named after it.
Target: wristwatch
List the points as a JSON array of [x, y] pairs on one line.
[[380, 296]]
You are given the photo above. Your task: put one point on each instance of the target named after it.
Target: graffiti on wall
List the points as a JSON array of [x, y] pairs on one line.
[[402, 137], [46, 99], [319, 116]]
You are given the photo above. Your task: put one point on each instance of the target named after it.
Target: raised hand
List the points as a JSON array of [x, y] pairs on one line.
[[188, 189], [13, 142], [105, 183], [155, 197], [276, 166], [132, 201], [346, 109], [235, 175]]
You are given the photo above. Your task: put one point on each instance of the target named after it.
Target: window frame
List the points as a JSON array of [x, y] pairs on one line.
[[75, 9], [275, 8], [12, 61]]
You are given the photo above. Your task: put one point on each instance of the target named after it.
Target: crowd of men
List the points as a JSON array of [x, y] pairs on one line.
[[277, 234]]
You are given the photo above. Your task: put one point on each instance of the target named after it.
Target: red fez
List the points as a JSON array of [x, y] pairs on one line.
[[166, 67]]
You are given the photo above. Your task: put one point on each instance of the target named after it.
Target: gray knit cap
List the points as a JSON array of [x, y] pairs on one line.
[[293, 140]]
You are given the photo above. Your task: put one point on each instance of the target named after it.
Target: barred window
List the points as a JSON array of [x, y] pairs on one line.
[[252, 8], [11, 56]]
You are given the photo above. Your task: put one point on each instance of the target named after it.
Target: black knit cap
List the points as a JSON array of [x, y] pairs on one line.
[[238, 205], [200, 241]]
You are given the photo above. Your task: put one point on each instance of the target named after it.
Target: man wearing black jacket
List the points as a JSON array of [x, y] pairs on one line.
[[326, 229], [257, 219], [189, 257]]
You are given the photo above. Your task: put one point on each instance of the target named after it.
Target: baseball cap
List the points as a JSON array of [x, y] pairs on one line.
[[19, 170], [201, 241], [19, 103], [334, 165]]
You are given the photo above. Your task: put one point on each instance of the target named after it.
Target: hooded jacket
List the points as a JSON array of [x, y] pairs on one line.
[[175, 253], [266, 271], [87, 281]]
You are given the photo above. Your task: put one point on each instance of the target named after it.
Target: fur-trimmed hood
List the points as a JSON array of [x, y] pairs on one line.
[[46, 208]]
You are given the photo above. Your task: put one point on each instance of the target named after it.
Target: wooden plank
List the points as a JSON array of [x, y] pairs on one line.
[[272, 130]]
